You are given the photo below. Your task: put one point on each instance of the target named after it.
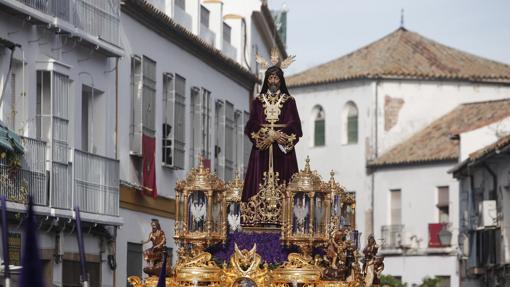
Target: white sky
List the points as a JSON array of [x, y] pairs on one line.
[[322, 30]]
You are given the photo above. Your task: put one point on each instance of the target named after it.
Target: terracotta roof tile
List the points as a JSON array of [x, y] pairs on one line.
[[433, 143], [499, 144], [404, 54]]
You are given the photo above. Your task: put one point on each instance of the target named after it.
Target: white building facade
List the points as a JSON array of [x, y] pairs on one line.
[[59, 95], [356, 108]]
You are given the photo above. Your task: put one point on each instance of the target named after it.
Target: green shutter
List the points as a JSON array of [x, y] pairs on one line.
[[352, 129], [320, 133]]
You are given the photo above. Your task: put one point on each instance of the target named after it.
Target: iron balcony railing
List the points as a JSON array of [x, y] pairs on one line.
[[99, 18], [17, 182], [392, 236], [96, 183]]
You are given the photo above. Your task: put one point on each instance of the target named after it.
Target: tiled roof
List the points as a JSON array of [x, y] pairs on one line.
[[404, 55], [186, 39], [433, 143], [498, 145]]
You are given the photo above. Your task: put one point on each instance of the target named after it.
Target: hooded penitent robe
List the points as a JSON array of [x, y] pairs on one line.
[[285, 163]]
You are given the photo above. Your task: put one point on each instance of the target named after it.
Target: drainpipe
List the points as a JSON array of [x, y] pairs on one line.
[[376, 147], [116, 111]]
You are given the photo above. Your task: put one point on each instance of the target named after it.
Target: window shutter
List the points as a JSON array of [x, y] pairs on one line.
[[135, 132], [195, 126], [229, 141], [219, 151], [168, 128], [149, 97], [239, 137], [319, 133], [205, 120], [179, 122], [352, 129]]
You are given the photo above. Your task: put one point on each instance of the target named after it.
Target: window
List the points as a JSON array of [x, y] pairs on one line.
[[92, 119], [229, 141], [224, 147], [135, 259], [443, 204], [319, 126], [200, 123], [181, 4], [227, 32], [238, 142], [350, 119], [143, 101], [12, 113], [71, 273], [174, 105], [204, 16], [52, 126], [396, 206]]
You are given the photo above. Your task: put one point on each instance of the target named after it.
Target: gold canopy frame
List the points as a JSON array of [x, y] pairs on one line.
[[309, 213]]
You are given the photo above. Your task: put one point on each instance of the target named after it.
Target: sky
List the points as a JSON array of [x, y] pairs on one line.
[[322, 30]]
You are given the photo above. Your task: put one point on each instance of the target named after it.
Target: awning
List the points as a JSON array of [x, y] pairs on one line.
[[10, 141]]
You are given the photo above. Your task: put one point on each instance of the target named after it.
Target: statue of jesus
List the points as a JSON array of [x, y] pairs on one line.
[[274, 128]]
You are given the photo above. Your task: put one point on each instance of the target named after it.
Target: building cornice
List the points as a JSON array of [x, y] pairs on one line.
[[157, 21]]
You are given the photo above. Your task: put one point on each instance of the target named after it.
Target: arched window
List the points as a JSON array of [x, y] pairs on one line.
[[319, 126], [350, 119]]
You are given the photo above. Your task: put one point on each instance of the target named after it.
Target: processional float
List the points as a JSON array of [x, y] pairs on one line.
[[313, 218]]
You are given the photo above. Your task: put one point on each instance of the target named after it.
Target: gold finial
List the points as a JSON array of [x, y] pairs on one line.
[[307, 164]]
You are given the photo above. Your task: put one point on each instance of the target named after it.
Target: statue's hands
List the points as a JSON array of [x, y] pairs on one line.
[[281, 138], [267, 142]]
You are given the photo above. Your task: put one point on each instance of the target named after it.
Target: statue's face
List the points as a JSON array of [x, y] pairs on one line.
[[154, 226], [273, 82]]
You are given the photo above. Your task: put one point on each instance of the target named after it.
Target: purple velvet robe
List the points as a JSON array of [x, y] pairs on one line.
[[283, 163]]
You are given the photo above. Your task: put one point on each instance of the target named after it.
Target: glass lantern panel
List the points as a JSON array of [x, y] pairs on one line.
[[197, 206], [234, 216], [319, 220], [216, 213], [301, 214], [347, 219]]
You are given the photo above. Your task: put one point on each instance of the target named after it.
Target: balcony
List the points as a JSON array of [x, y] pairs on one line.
[[182, 18], [91, 181], [229, 50], [392, 236], [96, 183], [30, 178], [207, 35], [96, 21]]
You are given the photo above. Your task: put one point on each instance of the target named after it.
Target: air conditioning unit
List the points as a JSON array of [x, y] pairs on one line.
[[488, 214]]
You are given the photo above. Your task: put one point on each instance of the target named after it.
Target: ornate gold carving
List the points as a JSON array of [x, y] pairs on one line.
[[245, 265], [265, 207], [201, 209], [234, 189], [297, 269], [198, 270]]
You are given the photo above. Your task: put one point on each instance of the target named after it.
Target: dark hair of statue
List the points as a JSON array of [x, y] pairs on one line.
[[279, 72]]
